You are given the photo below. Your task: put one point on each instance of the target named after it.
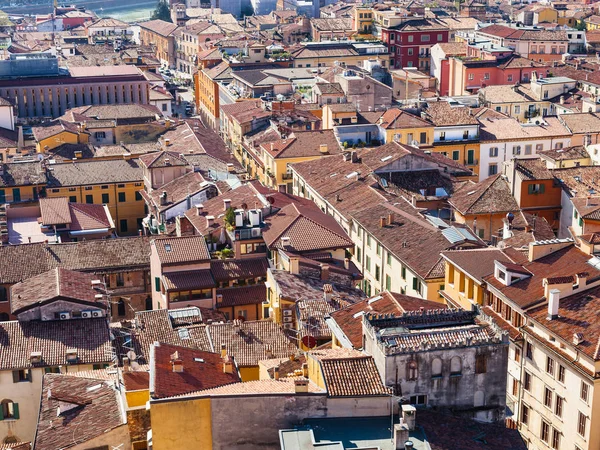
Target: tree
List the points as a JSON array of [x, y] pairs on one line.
[[162, 11]]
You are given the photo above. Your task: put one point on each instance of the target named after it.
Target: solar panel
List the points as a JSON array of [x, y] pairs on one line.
[[436, 221]]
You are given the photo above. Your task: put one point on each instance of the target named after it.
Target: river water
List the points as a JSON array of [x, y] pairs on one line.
[[134, 13]]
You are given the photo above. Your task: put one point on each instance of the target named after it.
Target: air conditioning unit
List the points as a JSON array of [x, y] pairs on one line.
[[287, 319], [64, 315], [97, 313], [256, 232], [86, 314], [287, 312], [287, 326]]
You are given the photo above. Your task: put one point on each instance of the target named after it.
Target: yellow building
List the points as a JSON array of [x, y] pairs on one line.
[[406, 128], [239, 119], [299, 146], [207, 92], [362, 20], [56, 133], [115, 183], [592, 23]]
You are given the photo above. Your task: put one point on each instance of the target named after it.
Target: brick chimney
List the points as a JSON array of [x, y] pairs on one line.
[[301, 386], [199, 209], [390, 219], [327, 292], [228, 364], [382, 222], [176, 362], [305, 370], [210, 220], [324, 272]]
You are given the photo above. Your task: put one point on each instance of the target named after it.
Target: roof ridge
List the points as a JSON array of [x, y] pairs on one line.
[[85, 213], [492, 179]]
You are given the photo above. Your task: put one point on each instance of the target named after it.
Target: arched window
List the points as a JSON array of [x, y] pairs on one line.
[[3, 294], [411, 370], [121, 308], [4, 317], [455, 366], [436, 368], [9, 410], [148, 303]]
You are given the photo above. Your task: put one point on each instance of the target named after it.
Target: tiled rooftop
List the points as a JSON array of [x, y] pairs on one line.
[[181, 250], [85, 173], [490, 196]]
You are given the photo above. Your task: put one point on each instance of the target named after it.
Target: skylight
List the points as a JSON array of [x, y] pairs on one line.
[[167, 247]]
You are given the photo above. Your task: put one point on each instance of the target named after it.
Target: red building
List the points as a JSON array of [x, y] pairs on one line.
[[410, 42]]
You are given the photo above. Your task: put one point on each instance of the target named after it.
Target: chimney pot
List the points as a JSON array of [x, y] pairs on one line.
[[553, 304], [305, 370], [210, 220], [199, 209], [176, 362], [347, 263], [223, 350], [276, 373], [390, 219], [382, 222], [324, 272]]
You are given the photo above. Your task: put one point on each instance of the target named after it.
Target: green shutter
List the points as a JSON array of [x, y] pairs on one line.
[[1, 413], [530, 189], [415, 281], [2, 196], [15, 410], [157, 284], [542, 188], [15, 376]]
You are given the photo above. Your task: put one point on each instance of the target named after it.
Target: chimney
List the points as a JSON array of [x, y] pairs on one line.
[[408, 445], [301, 386], [327, 292], [210, 220], [294, 264], [390, 219], [323, 149], [400, 435], [305, 370], [167, 143], [577, 338], [276, 373], [177, 363], [163, 198], [588, 200], [553, 303], [382, 222], [347, 263], [228, 364], [562, 99], [285, 241], [167, 162], [581, 279], [324, 272], [409, 416], [269, 352], [199, 209], [226, 204], [126, 365], [223, 350]]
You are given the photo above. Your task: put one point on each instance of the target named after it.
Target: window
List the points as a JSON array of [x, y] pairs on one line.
[[517, 354], [9, 410], [558, 406], [493, 152], [121, 308], [547, 398], [105, 198], [410, 38], [561, 374], [20, 376], [411, 370], [416, 285], [403, 272], [442, 135], [138, 196], [528, 149], [123, 225], [524, 414], [456, 155], [388, 283], [492, 169], [440, 37], [555, 438], [584, 391], [455, 366], [368, 263], [516, 150], [558, 145], [378, 247], [517, 109], [529, 350], [377, 272], [581, 424], [486, 76], [466, 134], [509, 78], [89, 199], [481, 364], [436, 368], [157, 284], [545, 431], [536, 188], [425, 38], [122, 197], [16, 194], [369, 241], [72, 198], [539, 147], [51, 369], [389, 259], [418, 399], [550, 366], [410, 52], [358, 254], [471, 77], [527, 382], [100, 134]]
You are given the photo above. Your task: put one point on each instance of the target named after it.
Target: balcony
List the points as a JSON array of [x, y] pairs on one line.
[[244, 234], [287, 176]]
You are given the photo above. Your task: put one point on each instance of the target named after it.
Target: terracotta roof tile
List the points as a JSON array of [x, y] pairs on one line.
[[160, 27], [22, 174], [52, 338], [88, 172], [188, 280], [75, 410], [241, 295], [181, 249], [136, 380], [238, 269], [395, 118], [201, 370], [490, 196], [443, 114], [302, 144], [352, 377], [249, 342], [162, 159], [283, 386]]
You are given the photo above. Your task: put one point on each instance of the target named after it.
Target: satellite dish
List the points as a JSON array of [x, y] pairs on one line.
[[131, 355], [309, 341]]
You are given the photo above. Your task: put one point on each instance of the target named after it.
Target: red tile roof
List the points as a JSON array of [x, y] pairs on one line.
[[490, 196], [76, 410], [352, 377], [53, 285], [188, 280], [180, 250], [136, 381], [241, 295], [302, 144], [238, 269], [201, 370]]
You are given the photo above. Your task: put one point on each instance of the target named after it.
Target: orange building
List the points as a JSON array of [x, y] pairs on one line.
[[206, 89]]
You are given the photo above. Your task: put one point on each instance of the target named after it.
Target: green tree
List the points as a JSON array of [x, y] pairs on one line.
[[162, 11], [580, 26]]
